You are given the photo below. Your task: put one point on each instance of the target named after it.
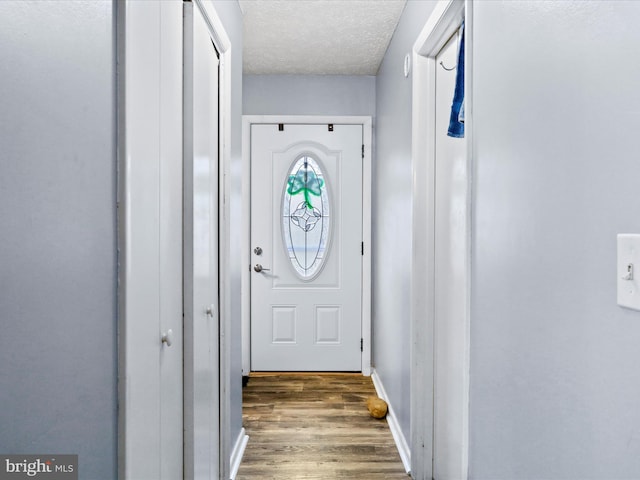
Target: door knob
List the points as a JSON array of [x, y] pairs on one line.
[[258, 268], [167, 337]]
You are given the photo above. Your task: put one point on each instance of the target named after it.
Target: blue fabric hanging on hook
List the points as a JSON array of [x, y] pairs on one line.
[[456, 121]]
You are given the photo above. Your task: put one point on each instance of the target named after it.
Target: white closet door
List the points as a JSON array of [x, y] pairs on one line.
[[202, 414]]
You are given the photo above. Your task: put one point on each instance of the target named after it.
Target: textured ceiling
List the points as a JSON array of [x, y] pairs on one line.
[[328, 37]]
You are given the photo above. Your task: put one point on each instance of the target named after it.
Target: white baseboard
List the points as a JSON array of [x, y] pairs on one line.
[[238, 452], [392, 420]]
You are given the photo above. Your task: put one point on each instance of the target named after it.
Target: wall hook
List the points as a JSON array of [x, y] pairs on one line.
[[457, 50], [448, 69]]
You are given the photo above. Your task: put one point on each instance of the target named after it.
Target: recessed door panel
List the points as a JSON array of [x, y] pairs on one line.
[[328, 325], [284, 325]]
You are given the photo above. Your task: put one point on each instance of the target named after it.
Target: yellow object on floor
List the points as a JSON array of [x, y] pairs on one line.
[[377, 407]]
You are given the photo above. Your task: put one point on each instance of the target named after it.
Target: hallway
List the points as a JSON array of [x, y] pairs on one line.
[[315, 426], [105, 353]]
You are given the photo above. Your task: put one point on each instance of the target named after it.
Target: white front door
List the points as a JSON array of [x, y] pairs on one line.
[[306, 242], [201, 342]]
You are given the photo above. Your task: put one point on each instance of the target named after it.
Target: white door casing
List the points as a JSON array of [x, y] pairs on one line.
[[451, 247], [444, 21], [300, 319], [201, 295], [300, 323]]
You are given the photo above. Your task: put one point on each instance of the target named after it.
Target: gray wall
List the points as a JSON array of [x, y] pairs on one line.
[[231, 17], [554, 361], [392, 214], [58, 248], [309, 95]]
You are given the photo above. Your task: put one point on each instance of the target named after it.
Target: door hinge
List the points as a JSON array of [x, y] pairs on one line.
[[361, 345], [331, 127], [281, 127], [362, 248], [363, 152]]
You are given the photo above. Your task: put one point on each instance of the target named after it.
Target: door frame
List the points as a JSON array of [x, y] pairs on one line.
[[137, 329], [441, 25], [366, 122]]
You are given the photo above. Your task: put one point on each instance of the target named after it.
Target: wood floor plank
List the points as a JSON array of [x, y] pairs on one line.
[[315, 426]]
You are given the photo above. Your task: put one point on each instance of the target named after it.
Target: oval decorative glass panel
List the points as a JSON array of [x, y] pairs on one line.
[[306, 217]]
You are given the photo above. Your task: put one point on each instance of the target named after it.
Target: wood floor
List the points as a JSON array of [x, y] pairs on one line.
[[315, 426]]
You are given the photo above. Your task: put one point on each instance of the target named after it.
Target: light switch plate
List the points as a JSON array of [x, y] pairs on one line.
[[628, 277]]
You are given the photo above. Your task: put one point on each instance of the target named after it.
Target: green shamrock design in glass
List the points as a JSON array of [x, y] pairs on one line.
[[307, 182]]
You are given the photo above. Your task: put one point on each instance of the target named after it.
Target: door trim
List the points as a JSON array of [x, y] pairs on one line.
[[441, 25], [366, 122]]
